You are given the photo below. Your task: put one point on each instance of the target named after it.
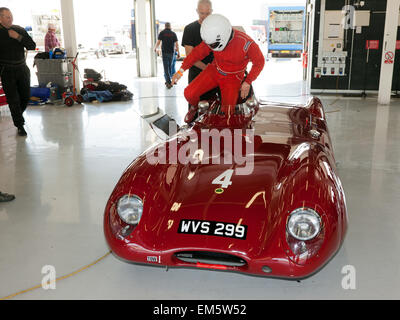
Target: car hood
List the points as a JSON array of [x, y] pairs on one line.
[[185, 192], [259, 201]]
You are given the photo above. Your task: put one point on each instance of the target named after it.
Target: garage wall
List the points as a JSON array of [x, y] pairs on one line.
[[360, 73]]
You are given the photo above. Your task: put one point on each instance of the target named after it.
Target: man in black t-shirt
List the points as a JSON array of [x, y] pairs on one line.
[[169, 44], [191, 38]]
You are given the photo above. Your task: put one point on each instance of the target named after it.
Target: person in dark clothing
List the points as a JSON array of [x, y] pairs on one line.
[[169, 45], [191, 38], [14, 73], [5, 197]]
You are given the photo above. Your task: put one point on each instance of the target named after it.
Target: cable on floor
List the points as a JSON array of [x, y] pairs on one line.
[[58, 279], [333, 111]]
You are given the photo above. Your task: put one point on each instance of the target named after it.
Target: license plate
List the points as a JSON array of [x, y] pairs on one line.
[[213, 228]]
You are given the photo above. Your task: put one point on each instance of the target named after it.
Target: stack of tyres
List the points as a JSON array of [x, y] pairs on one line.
[[56, 71]]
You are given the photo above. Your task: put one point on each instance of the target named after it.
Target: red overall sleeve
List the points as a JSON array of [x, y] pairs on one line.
[[257, 59], [198, 53]]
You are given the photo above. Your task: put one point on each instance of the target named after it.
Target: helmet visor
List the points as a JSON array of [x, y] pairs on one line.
[[214, 45]]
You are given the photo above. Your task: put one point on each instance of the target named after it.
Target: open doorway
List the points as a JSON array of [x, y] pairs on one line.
[[106, 39], [283, 74], [288, 29]]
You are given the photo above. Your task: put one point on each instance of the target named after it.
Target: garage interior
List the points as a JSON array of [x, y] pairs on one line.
[[64, 171]]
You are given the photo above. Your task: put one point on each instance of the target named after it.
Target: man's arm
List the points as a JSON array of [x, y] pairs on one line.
[[177, 49], [22, 36], [257, 59], [58, 44], [196, 54], [199, 64], [157, 45], [189, 44]]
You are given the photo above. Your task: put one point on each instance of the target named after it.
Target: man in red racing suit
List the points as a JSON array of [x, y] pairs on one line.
[[227, 71]]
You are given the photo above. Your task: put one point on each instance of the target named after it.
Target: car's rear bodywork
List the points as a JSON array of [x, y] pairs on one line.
[[188, 220]]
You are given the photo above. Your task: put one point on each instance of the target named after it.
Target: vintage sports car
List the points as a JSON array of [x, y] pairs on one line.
[[256, 192]]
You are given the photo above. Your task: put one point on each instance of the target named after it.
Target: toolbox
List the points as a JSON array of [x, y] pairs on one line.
[[56, 71]]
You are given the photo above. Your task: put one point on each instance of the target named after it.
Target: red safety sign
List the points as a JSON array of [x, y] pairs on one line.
[[372, 44], [389, 57]]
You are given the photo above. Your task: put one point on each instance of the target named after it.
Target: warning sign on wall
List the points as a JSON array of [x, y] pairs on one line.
[[389, 57]]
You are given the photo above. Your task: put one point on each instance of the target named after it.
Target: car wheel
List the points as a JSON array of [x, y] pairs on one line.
[[69, 102], [79, 98]]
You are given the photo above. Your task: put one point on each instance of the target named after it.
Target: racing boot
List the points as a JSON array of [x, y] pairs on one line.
[[191, 115]]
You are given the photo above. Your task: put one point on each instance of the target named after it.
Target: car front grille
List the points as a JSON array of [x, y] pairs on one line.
[[207, 257]]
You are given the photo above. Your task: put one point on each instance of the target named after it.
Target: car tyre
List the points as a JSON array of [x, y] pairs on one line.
[[79, 98], [69, 102]]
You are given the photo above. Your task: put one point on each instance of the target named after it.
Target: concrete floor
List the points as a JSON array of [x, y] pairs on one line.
[[64, 171]]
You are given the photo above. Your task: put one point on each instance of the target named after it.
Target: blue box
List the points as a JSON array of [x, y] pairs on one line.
[[42, 93]]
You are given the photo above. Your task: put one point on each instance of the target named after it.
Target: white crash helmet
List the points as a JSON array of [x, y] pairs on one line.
[[216, 31]]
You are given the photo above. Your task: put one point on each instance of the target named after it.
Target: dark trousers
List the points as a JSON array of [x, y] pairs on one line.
[[16, 82], [167, 63]]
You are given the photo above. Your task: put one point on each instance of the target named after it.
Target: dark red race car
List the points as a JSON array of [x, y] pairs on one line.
[[256, 192]]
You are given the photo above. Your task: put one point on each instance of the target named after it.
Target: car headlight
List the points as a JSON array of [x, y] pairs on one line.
[[304, 224], [130, 209]]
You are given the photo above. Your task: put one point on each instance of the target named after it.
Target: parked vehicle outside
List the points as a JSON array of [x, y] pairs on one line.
[[286, 31], [113, 44]]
